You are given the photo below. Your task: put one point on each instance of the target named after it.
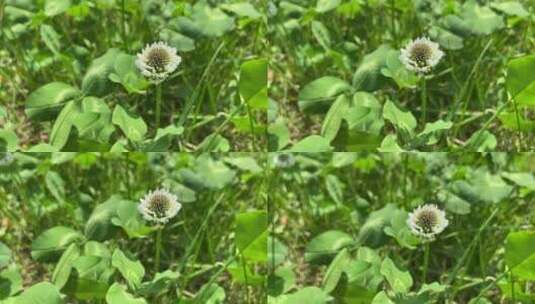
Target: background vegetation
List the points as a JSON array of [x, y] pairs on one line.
[[68, 79], [339, 232], [70, 231], [339, 85]]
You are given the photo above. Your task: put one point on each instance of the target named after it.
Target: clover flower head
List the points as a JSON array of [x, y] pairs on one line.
[[159, 206], [283, 160], [157, 61], [427, 221], [421, 55]]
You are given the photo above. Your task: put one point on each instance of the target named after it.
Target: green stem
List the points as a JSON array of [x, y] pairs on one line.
[[251, 125], [426, 262], [158, 248], [424, 99], [123, 25], [158, 104]]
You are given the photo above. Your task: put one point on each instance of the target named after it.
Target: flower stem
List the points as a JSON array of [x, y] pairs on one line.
[[424, 100], [426, 262], [158, 104], [158, 249], [123, 25]]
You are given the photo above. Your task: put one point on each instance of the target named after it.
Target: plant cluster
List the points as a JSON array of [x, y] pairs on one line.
[[403, 228], [394, 76], [93, 228]]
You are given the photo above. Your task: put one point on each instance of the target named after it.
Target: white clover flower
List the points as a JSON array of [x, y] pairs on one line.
[[421, 55], [6, 159], [159, 206], [157, 61], [427, 221], [283, 160]]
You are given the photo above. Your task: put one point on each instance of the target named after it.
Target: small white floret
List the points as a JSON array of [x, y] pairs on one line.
[[421, 55], [157, 61], [159, 206], [427, 221]]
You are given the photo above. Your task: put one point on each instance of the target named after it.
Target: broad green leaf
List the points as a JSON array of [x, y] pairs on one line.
[[246, 274], [253, 83], [343, 159], [211, 173], [432, 128], [522, 179], [453, 203], [211, 21], [181, 42], [134, 128], [512, 121], [242, 9], [319, 94], [326, 245], [95, 81], [5, 255], [94, 120], [512, 8], [8, 141], [281, 281], [333, 119], [368, 76], [382, 298], [214, 143], [278, 135], [482, 186], [51, 38], [396, 70], [126, 73], [251, 235], [132, 271], [446, 39], [309, 295], [481, 141], [321, 33], [520, 254], [335, 270], [364, 115], [64, 266], [10, 282], [163, 139], [400, 119], [129, 218], [474, 19], [41, 293], [312, 143], [117, 294], [47, 101], [371, 233], [323, 6], [390, 144], [352, 292], [399, 230], [399, 281], [51, 243], [85, 289], [64, 123], [56, 7], [245, 163], [210, 294], [335, 188], [161, 282], [99, 227], [520, 80], [277, 252]]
